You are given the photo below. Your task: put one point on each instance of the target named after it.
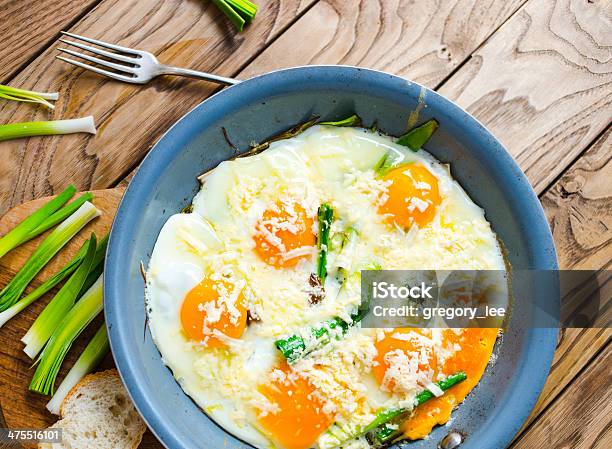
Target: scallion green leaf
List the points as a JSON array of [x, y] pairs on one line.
[[58, 277], [18, 234], [45, 252], [245, 8], [59, 216], [91, 356], [239, 12], [48, 320], [97, 265], [70, 327], [28, 129], [28, 96]]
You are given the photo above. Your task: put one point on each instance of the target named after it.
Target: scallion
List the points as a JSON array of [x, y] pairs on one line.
[[239, 12], [346, 254], [19, 233], [58, 277], [48, 320], [58, 216], [71, 326], [97, 266], [91, 356], [28, 129], [288, 134], [45, 251], [28, 96]]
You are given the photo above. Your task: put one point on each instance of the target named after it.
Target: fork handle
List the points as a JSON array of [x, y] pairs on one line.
[[169, 70]]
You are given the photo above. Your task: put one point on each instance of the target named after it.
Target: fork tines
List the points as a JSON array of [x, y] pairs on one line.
[[127, 69]]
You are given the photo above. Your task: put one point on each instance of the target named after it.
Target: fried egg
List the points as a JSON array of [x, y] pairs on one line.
[[234, 275]]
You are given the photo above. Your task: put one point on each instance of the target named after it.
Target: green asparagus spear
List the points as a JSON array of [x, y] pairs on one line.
[[380, 428], [346, 248], [295, 347], [379, 432], [325, 216], [417, 137]]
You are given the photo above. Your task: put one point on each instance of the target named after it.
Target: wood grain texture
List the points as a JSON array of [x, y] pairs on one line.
[[581, 418], [543, 83], [22, 408], [27, 28], [423, 40], [579, 209], [576, 347], [575, 350], [130, 118]]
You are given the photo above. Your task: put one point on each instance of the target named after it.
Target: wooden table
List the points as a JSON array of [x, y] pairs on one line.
[[537, 73]]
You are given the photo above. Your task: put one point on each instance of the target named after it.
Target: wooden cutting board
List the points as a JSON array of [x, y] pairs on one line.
[[22, 408]]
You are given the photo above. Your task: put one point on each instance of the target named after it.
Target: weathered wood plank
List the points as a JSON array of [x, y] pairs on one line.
[[505, 83], [392, 35], [582, 416], [130, 118], [579, 209], [423, 40], [27, 28], [543, 83], [575, 350]]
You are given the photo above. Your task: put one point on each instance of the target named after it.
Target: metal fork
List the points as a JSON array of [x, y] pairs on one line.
[[130, 65]]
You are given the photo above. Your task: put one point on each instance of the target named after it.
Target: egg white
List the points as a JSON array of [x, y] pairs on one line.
[[323, 164]]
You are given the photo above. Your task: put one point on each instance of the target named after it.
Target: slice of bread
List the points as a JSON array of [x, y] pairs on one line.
[[98, 414]]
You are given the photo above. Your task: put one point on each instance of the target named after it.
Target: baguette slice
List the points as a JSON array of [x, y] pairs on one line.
[[98, 414]]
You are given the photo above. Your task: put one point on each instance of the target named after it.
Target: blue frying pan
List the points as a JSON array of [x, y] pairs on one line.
[[266, 105]]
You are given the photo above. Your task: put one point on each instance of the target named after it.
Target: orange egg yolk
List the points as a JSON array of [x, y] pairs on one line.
[[412, 347], [213, 306], [298, 419], [412, 197], [476, 348], [280, 234]]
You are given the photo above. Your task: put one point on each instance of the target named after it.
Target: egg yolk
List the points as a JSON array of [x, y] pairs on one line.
[[298, 419], [213, 306], [476, 348], [281, 232], [412, 197], [402, 340]]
